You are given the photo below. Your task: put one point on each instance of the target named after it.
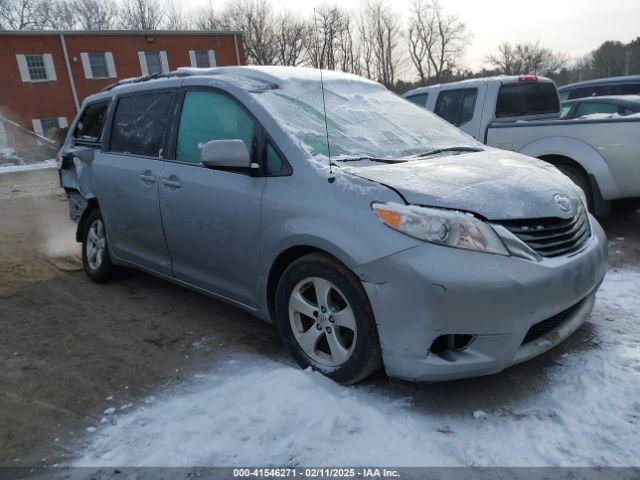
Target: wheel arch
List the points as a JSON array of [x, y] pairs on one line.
[[282, 261], [92, 204], [572, 151]]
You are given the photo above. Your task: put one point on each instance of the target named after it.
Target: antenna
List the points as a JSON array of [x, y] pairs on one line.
[[331, 178]]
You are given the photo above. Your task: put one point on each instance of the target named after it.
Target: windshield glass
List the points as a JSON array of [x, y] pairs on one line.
[[363, 118]]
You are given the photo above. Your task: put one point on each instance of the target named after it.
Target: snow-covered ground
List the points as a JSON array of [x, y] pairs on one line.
[[254, 411], [10, 168]]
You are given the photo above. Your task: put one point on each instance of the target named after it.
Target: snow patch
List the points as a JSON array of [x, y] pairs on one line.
[[254, 411], [11, 168]]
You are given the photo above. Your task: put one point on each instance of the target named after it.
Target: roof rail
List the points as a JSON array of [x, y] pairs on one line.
[[146, 78]]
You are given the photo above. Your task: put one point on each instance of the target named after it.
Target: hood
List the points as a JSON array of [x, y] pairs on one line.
[[495, 184]]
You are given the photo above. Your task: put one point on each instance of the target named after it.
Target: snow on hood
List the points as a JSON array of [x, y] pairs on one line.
[[495, 184]]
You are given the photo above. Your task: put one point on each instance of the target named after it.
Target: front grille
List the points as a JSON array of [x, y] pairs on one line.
[[545, 326], [552, 237]]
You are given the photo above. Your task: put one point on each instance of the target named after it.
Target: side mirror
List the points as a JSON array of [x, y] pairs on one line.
[[225, 154]]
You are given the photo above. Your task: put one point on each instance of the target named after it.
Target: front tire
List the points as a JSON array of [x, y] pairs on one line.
[[95, 253], [325, 319]]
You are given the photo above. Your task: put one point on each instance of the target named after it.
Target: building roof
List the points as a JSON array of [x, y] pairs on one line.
[[120, 32]]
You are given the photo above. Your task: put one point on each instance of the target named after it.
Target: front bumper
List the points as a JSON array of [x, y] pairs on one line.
[[427, 291]]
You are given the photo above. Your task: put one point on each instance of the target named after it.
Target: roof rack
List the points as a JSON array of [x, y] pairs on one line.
[[145, 78]]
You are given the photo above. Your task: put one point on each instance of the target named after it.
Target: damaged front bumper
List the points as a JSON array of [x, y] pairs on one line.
[[512, 309]]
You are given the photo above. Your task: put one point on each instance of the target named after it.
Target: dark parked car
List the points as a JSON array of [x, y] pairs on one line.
[[627, 85], [622, 105]]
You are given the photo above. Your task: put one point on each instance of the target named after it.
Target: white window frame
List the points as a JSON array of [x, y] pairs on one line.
[[37, 124], [49, 66], [144, 67], [194, 62], [88, 72]]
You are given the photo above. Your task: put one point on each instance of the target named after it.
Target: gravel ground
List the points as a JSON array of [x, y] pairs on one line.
[[72, 349]]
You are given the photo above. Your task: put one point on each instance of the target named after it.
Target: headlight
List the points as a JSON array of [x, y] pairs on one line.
[[444, 227]]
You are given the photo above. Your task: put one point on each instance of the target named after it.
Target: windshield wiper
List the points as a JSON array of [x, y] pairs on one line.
[[449, 149], [372, 159]]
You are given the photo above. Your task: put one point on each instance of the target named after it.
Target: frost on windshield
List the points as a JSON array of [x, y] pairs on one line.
[[363, 119]]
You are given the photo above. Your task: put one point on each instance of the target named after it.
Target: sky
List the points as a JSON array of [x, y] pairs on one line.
[[574, 27]]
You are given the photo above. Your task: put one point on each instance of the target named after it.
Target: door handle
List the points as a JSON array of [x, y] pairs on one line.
[[148, 178], [171, 183]]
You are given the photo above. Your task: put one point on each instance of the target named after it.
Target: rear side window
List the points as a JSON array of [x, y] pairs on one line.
[[588, 108], [419, 99], [590, 91], [210, 116], [457, 106], [89, 127], [627, 89], [139, 124], [527, 98]]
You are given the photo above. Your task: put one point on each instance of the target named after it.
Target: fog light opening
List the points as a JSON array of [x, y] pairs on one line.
[[444, 345]]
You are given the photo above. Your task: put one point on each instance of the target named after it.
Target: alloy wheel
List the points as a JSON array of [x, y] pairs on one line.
[[322, 321], [96, 243]]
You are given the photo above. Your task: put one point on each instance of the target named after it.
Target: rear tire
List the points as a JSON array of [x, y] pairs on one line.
[[325, 319], [580, 179], [95, 252]]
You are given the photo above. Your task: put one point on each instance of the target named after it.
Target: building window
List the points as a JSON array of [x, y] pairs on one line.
[[98, 65], [153, 62], [202, 58], [36, 67], [49, 127]]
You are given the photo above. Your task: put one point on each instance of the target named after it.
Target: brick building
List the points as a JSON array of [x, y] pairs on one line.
[[44, 76]]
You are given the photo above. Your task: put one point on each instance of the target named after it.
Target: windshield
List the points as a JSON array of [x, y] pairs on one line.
[[363, 118]]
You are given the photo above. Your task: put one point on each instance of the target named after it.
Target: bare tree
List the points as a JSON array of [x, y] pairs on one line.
[[327, 23], [421, 38], [379, 34], [291, 35], [175, 18], [526, 58], [93, 14], [207, 18], [18, 15], [141, 15], [256, 20]]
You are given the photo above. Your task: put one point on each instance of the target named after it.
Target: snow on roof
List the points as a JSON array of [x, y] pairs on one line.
[[275, 76]]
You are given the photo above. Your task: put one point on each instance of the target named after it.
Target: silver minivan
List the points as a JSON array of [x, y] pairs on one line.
[[369, 231]]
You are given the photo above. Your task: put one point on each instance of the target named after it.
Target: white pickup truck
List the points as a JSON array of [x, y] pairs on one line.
[[601, 155]]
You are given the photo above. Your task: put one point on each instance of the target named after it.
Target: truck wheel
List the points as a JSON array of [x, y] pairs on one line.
[[579, 178], [95, 254], [325, 319]]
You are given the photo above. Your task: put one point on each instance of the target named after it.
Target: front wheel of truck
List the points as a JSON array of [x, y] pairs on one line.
[[95, 254]]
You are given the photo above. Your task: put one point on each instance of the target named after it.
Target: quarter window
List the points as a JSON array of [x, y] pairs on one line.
[[457, 106], [210, 116], [139, 124], [275, 164], [419, 99], [589, 108], [37, 67], [90, 124]]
